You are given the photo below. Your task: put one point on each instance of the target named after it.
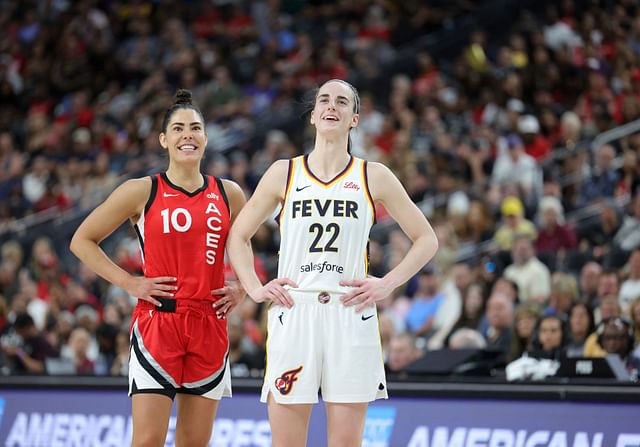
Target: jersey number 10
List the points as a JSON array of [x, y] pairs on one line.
[[175, 220]]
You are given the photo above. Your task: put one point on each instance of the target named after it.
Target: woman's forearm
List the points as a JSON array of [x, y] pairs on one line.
[[241, 258], [97, 260], [421, 252]]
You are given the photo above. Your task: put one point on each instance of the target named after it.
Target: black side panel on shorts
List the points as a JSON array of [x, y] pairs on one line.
[[171, 394], [208, 386]]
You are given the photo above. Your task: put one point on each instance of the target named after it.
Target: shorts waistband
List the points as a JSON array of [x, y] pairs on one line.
[[316, 296], [180, 305]]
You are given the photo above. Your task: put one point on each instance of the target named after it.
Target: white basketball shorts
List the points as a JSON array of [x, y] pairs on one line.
[[319, 344]]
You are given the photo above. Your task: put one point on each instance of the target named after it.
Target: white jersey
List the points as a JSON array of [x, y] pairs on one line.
[[325, 226]]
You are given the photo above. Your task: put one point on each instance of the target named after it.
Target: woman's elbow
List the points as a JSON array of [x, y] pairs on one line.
[[432, 241], [435, 242], [73, 245], [76, 244]]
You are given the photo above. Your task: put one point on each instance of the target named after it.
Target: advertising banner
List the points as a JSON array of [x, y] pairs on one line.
[[83, 418]]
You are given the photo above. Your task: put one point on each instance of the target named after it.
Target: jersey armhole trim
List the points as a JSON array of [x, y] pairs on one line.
[[287, 188], [365, 183], [224, 194], [152, 194]]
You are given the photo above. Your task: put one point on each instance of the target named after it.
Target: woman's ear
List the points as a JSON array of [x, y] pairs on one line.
[[163, 140]]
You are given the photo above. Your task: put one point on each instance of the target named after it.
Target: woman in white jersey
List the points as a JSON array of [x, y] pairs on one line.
[[323, 328]]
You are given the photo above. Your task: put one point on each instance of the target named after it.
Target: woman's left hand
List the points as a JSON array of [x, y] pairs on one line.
[[365, 292], [230, 296]]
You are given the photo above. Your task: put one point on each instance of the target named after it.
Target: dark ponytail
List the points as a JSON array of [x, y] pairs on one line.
[[184, 100]]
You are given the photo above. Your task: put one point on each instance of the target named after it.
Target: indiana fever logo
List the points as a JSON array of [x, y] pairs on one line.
[[284, 383]]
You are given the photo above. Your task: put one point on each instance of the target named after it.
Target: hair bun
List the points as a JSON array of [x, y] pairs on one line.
[[183, 96]]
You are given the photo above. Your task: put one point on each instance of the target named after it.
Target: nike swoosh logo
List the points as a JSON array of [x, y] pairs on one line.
[[169, 195], [367, 317], [298, 189]]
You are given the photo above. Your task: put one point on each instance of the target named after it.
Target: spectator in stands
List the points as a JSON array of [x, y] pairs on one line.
[[106, 339], [78, 351], [609, 308], [515, 167], [535, 144], [549, 338], [603, 180], [449, 312], [26, 347], [480, 222], [588, 282], [531, 275], [634, 311], [627, 237], [466, 338], [615, 335], [524, 326], [428, 298], [629, 174], [514, 223], [499, 315], [403, 350], [120, 366], [555, 237], [563, 294], [243, 355], [472, 310], [630, 288], [608, 286], [596, 233], [580, 326], [8, 279], [508, 287], [570, 130], [4, 313]]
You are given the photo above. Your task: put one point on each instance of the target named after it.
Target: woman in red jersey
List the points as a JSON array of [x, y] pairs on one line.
[[178, 332]]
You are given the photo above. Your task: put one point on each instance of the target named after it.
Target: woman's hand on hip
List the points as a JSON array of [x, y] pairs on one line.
[[275, 292], [365, 292], [230, 296], [146, 288]]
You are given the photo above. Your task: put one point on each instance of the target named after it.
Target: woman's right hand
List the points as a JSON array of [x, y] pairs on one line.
[[275, 292], [144, 288]]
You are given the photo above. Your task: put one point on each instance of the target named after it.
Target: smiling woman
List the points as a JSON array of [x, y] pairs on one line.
[[317, 336], [182, 219]]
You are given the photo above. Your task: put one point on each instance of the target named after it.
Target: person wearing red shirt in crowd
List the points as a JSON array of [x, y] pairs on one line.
[[553, 235], [179, 342], [535, 144]]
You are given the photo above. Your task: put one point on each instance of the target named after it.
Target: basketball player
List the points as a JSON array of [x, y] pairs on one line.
[[178, 331], [323, 328]]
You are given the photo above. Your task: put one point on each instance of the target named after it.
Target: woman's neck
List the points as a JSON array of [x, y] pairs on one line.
[[328, 158], [188, 178]]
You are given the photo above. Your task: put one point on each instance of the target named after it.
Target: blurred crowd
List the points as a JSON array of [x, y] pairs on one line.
[[539, 225]]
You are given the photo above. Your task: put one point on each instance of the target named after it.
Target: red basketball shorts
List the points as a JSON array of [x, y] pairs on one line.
[[184, 351]]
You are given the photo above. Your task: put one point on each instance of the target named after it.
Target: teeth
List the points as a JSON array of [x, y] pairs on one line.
[[187, 147]]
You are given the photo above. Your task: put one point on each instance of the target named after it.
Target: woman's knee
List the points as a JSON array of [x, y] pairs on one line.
[[193, 437], [148, 439]]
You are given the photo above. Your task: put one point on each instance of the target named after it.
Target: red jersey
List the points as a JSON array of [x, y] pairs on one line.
[[183, 234]]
